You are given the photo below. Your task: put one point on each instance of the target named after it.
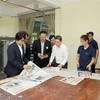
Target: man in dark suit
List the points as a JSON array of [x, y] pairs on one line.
[[26, 46], [52, 40], [42, 50], [16, 56]]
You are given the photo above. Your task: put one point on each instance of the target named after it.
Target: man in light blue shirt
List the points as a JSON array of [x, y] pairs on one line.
[[42, 50]]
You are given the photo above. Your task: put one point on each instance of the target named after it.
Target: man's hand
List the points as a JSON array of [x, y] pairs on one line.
[[39, 55], [60, 66], [49, 65], [77, 64], [27, 67], [89, 67], [45, 56]]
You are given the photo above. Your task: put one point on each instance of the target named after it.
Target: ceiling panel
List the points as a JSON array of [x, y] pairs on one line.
[[23, 2], [9, 9]]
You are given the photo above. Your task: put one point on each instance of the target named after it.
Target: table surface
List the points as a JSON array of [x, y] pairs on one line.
[[53, 89]]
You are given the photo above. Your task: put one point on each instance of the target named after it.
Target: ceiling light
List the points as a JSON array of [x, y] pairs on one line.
[[4, 0]]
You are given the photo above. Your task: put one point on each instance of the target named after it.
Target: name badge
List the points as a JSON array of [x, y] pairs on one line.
[[47, 47]]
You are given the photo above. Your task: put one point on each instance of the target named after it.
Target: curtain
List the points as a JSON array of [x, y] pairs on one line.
[[49, 17], [26, 23]]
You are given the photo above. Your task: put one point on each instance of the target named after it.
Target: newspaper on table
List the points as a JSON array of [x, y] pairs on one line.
[[6, 80], [35, 76], [72, 80], [27, 79], [67, 72], [35, 73], [85, 74], [17, 86], [54, 71], [95, 76]]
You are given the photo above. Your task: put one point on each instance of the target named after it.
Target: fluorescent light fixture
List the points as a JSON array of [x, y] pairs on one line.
[[4, 0]]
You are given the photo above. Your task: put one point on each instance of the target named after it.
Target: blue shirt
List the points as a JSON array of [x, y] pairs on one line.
[[86, 56], [94, 44]]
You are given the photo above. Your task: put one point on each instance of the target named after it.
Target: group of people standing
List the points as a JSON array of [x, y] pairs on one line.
[[47, 53], [50, 52]]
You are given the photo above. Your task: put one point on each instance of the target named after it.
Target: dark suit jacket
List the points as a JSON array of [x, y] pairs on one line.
[[37, 49], [27, 55], [15, 62]]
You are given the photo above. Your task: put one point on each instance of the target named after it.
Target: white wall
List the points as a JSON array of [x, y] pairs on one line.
[[78, 18], [57, 21], [8, 26]]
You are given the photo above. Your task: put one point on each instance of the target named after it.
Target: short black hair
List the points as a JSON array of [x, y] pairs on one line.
[[90, 33], [58, 37], [51, 36], [85, 38], [20, 35], [25, 34], [43, 32]]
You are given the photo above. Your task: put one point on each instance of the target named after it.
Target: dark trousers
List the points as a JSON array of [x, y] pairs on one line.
[[93, 68], [56, 64], [43, 63], [65, 66]]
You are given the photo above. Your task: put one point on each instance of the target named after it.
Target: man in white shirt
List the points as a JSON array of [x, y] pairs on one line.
[[60, 53]]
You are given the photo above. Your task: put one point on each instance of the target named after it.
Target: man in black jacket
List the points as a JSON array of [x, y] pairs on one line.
[[26, 46], [42, 50], [16, 56]]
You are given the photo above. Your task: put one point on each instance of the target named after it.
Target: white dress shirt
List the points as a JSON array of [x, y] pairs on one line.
[[60, 54], [21, 51], [42, 47], [24, 48]]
